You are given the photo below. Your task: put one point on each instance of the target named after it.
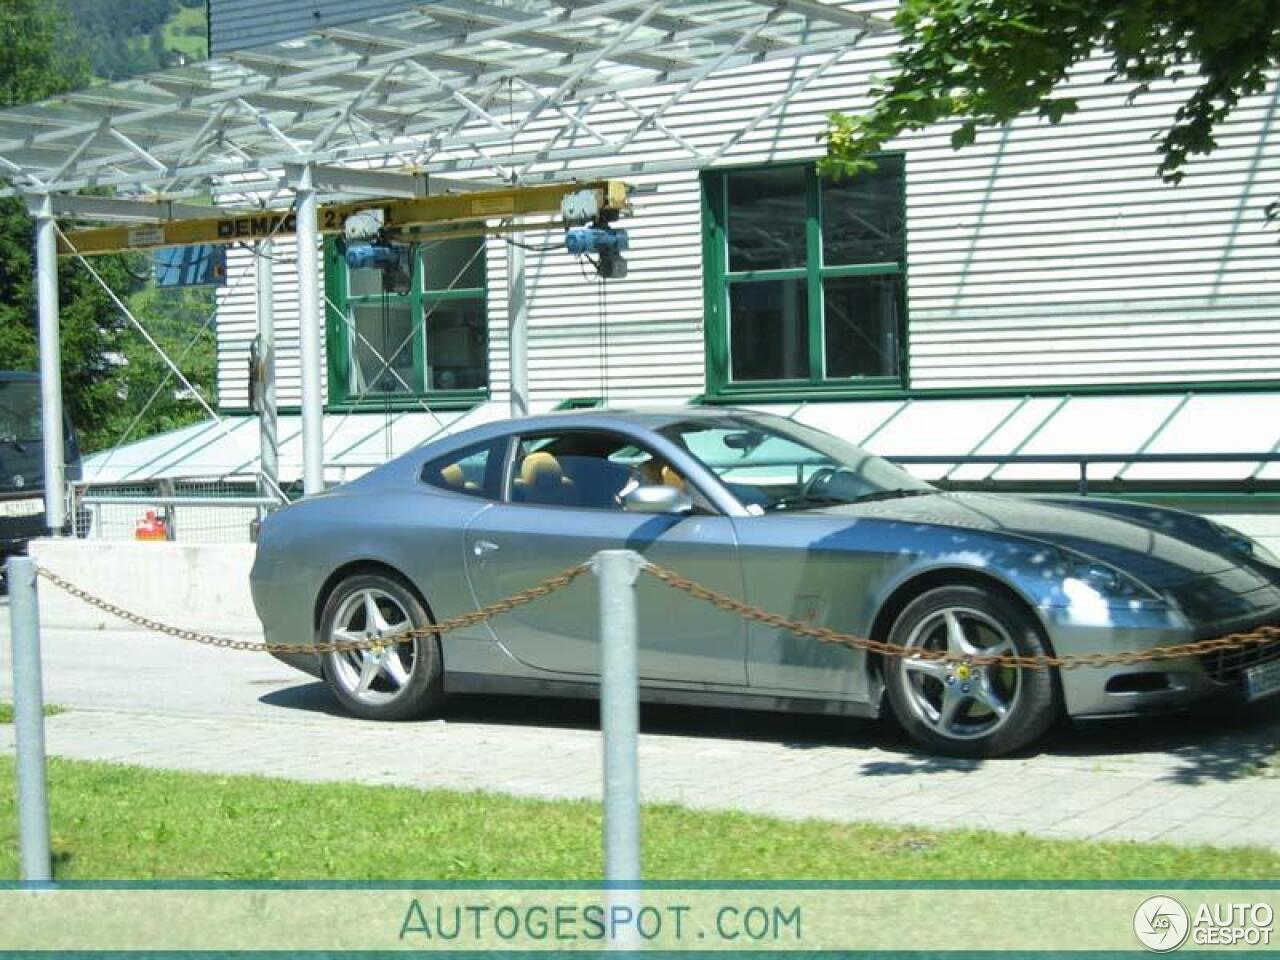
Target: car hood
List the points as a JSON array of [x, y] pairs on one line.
[[1154, 557]]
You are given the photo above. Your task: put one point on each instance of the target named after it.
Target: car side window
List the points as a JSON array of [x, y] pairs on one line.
[[591, 470], [474, 471]]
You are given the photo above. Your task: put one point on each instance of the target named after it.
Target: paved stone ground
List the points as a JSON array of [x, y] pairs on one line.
[[156, 702]]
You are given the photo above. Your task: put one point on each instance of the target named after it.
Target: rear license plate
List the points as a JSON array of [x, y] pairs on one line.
[[1262, 680], [22, 508]]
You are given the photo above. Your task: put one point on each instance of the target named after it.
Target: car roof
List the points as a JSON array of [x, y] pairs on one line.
[[649, 418]]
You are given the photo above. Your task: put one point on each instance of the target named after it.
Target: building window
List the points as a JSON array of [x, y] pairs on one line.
[[805, 279], [418, 330]]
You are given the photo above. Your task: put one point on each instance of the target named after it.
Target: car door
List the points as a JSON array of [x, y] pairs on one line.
[[803, 566], [562, 505]]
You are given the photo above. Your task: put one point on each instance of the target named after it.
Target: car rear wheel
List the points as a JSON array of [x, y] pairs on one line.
[[396, 681], [966, 710]]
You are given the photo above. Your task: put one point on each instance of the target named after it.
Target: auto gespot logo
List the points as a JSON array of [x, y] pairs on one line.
[[1162, 924]]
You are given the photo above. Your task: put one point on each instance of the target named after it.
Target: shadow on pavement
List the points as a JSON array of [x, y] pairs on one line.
[[311, 697], [1212, 744]]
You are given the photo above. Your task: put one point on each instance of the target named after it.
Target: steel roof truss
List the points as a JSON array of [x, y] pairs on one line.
[[779, 103], [250, 113]]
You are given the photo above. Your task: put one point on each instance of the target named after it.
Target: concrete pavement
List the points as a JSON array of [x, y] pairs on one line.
[[148, 700]]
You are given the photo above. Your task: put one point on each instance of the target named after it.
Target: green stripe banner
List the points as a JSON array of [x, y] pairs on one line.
[[933, 919]]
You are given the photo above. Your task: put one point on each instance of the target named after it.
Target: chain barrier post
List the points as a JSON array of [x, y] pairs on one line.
[[617, 571], [35, 865]]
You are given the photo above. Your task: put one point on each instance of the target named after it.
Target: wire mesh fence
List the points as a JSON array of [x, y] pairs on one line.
[[189, 510]]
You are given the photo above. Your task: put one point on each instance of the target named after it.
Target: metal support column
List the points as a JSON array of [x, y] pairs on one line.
[[265, 372], [35, 865], [617, 571], [311, 321], [518, 330], [55, 488]]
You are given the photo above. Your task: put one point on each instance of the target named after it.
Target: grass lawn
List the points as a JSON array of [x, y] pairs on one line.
[[116, 822], [6, 711]]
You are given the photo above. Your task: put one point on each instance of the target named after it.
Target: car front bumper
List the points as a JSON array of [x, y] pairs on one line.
[[1156, 685]]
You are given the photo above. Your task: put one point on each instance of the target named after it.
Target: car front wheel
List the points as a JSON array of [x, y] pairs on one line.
[[395, 681], [965, 710]]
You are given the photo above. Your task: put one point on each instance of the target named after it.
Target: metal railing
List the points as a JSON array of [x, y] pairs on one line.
[[1082, 462], [192, 510]]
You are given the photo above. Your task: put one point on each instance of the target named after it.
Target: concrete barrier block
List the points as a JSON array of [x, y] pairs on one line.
[[194, 586]]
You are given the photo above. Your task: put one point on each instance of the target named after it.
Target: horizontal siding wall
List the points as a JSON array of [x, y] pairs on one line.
[[238, 326], [239, 24], [632, 340], [1041, 255]]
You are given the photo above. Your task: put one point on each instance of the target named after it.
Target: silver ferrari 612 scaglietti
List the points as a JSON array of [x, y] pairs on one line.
[[786, 518]]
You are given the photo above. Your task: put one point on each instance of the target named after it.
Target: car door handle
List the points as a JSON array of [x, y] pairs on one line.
[[483, 548]]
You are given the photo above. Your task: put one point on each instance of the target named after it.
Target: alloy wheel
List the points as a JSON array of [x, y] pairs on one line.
[[379, 675], [955, 699]]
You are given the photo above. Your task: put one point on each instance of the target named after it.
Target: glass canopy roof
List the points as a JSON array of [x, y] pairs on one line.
[[501, 88]]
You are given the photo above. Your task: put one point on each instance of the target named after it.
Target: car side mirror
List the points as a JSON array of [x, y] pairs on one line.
[[657, 498]]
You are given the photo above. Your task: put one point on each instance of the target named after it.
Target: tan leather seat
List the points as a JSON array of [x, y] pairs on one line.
[[670, 478], [655, 473], [455, 479], [542, 480]]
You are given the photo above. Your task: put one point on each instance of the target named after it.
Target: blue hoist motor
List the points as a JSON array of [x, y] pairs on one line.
[[606, 243], [372, 256]]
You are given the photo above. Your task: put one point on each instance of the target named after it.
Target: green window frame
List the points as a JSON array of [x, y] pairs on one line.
[[877, 275], [417, 376]]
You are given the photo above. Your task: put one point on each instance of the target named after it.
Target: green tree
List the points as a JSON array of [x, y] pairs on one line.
[[108, 370], [151, 400], [985, 62], [35, 62]]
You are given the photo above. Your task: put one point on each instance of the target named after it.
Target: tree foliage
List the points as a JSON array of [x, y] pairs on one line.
[[985, 62], [150, 399], [122, 38], [108, 370], [35, 63]]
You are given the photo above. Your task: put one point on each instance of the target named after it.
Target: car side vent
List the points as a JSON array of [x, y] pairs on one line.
[[1138, 683]]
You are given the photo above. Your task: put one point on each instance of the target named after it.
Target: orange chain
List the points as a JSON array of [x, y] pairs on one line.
[[1231, 641]]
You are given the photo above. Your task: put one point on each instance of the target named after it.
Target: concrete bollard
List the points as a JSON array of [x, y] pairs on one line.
[[35, 864]]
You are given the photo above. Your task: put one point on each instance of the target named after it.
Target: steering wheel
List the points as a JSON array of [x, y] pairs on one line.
[[821, 476]]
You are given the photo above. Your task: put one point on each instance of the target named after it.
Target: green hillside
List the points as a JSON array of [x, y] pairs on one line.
[[122, 38]]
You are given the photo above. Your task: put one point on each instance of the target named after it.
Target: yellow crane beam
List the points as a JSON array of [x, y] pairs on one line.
[[416, 217]]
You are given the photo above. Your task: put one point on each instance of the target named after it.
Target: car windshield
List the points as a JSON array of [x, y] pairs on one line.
[[19, 412], [771, 464]]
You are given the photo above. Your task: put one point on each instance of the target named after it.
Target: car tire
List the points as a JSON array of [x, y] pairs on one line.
[[963, 711], [403, 681]]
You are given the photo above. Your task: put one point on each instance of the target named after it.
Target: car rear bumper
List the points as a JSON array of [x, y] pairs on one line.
[[284, 603]]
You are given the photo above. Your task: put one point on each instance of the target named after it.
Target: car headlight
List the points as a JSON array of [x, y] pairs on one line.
[[1245, 546], [1107, 582]]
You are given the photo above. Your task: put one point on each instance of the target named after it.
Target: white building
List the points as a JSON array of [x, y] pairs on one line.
[[1039, 293]]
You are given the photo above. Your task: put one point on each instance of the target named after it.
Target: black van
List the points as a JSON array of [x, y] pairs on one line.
[[22, 516]]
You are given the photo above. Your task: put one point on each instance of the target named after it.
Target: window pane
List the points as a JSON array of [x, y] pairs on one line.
[[454, 264], [861, 325], [766, 219], [863, 217], [475, 471], [383, 348], [368, 283], [456, 355], [768, 330]]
